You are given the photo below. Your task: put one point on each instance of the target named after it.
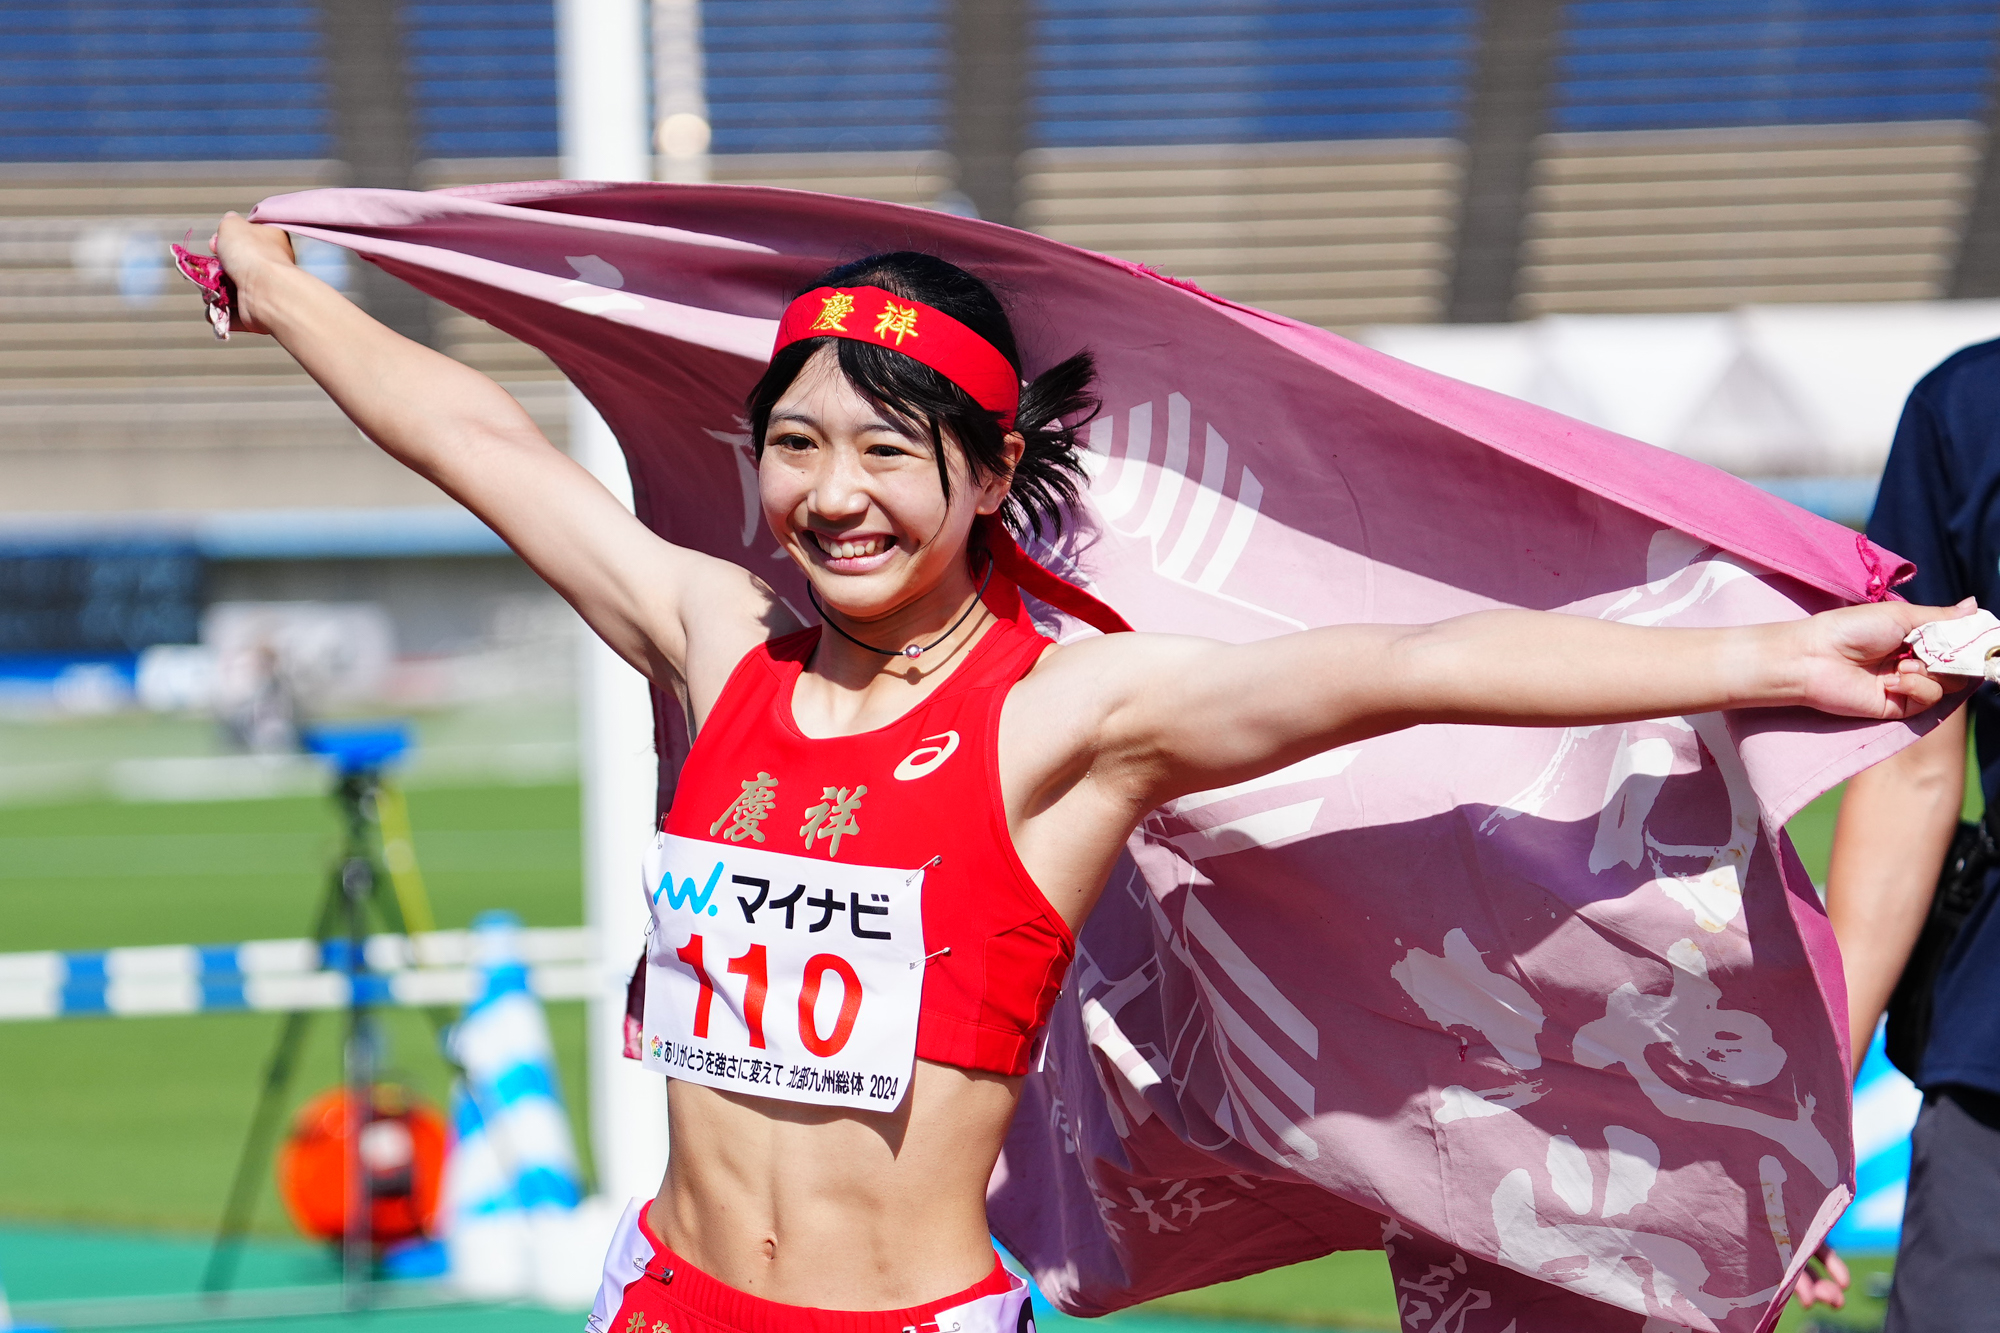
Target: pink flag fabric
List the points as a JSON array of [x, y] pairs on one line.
[[1554, 1016]]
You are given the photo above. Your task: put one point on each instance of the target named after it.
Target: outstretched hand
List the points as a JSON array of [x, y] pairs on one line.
[[1855, 663], [246, 249]]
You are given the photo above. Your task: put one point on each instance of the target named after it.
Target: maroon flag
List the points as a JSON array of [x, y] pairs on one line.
[[1553, 1015]]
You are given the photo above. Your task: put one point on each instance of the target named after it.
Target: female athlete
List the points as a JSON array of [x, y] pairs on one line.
[[925, 802]]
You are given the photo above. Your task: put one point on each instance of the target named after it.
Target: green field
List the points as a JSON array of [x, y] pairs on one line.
[[135, 1123]]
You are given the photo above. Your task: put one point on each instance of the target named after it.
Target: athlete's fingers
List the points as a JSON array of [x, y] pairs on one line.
[[1913, 684], [247, 249]]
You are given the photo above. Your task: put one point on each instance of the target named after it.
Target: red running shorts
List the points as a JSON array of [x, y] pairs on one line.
[[647, 1288]]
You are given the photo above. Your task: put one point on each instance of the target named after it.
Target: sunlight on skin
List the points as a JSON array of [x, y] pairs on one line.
[[852, 495], [1118, 724]]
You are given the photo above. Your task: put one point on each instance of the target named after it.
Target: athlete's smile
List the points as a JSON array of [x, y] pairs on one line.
[[851, 548], [852, 553]]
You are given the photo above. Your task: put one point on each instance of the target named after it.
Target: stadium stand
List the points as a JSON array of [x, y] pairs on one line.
[[1341, 161], [1656, 220], [1707, 153], [1339, 233], [827, 76], [1297, 156], [125, 126], [112, 399]]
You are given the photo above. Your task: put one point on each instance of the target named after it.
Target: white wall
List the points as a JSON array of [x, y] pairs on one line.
[[1761, 391]]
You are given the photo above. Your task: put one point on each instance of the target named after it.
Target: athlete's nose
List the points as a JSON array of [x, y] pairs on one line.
[[840, 491]]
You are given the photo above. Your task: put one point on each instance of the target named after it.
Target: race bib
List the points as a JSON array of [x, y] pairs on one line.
[[782, 976]]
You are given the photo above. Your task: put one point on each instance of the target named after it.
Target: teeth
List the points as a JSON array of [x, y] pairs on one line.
[[854, 550]]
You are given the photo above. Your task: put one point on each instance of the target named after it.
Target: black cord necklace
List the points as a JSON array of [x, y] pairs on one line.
[[913, 651]]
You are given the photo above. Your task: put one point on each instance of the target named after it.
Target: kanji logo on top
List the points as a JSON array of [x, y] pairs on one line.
[[833, 312], [896, 321]]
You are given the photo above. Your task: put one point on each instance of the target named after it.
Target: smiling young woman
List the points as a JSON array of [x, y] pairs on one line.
[[885, 838]]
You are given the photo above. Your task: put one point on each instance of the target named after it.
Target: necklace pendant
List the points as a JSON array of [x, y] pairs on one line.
[[913, 651]]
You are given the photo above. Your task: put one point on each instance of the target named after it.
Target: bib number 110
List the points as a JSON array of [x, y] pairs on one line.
[[753, 967]]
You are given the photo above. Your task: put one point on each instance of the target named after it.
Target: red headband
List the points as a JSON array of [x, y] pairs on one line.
[[871, 315]]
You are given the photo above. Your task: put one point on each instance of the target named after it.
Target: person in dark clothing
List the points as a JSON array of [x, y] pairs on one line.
[[1939, 506]]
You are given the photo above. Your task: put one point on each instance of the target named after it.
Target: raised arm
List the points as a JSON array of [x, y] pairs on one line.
[[676, 615], [1167, 716]]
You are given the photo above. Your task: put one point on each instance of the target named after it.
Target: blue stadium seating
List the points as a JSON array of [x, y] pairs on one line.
[[1648, 64], [483, 77], [111, 81], [1183, 71], [826, 75], [108, 81], [120, 80]]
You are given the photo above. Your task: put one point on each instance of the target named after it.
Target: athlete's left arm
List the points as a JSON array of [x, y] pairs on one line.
[[1165, 715]]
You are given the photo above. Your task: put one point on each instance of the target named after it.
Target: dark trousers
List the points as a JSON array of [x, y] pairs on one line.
[[1948, 1266]]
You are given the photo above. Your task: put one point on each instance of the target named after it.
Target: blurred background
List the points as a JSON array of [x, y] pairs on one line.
[[1740, 229]]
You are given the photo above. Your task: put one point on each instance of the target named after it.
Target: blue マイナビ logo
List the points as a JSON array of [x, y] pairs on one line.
[[684, 894]]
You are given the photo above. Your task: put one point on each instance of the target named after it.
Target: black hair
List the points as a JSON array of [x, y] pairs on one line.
[[1054, 406]]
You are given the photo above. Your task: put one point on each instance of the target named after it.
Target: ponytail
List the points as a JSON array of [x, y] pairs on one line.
[[1055, 405]]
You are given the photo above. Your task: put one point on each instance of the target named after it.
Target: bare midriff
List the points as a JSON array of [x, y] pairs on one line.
[[834, 1208]]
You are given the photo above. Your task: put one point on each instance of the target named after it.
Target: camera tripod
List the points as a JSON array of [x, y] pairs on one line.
[[363, 880]]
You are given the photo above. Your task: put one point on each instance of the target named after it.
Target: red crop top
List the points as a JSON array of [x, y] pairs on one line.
[[925, 786]]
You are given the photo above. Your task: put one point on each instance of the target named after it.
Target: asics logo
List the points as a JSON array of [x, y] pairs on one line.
[[924, 760]]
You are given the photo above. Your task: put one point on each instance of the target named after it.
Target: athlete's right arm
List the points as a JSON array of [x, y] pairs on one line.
[[468, 435]]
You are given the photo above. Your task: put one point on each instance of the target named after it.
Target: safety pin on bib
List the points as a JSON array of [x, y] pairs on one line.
[[936, 954]]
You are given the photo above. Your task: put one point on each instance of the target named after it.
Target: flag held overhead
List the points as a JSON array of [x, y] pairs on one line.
[[1528, 1008]]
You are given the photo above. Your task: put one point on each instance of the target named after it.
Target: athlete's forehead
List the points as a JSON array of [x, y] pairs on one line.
[[822, 399]]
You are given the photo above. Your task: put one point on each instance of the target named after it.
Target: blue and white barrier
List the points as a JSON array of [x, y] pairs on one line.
[[512, 1183], [282, 975], [1885, 1111]]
